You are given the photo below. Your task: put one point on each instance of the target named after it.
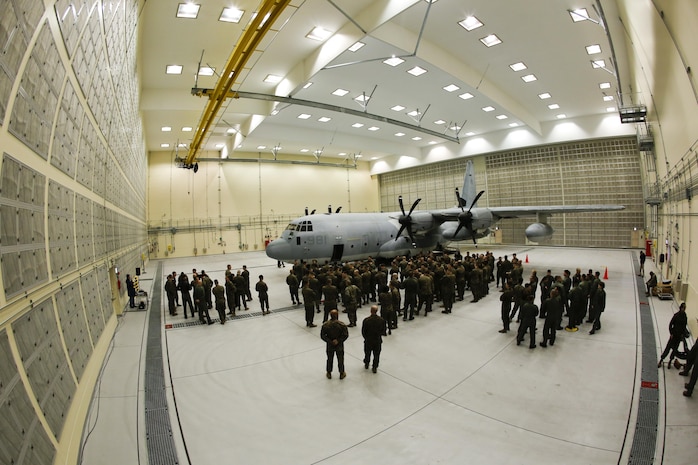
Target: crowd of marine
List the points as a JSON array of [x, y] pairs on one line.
[[408, 287]]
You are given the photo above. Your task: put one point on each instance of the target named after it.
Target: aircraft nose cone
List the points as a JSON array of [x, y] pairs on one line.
[[277, 249]]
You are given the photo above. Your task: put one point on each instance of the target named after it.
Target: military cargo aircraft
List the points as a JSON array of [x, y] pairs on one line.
[[334, 237]]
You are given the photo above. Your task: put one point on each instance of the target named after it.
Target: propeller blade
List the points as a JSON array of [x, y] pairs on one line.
[[306, 211], [329, 209], [399, 232], [312, 212], [460, 226], [477, 197], [399, 199], [459, 201], [338, 209], [414, 205]]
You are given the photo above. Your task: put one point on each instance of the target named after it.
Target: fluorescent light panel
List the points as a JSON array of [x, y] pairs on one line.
[[188, 10], [529, 78], [598, 64], [340, 92], [491, 40], [488, 108], [398, 108], [231, 15], [470, 23], [593, 49], [173, 69], [273, 79], [451, 88], [466, 96], [579, 14], [605, 85], [373, 128], [553, 106], [319, 34], [393, 61], [417, 71], [166, 129], [356, 46], [303, 116], [206, 71], [520, 66], [324, 119], [544, 95]]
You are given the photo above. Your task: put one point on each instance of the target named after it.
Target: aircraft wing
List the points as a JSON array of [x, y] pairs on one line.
[[522, 211]]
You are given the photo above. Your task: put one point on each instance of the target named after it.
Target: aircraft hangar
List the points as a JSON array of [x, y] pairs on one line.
[[141, 137]]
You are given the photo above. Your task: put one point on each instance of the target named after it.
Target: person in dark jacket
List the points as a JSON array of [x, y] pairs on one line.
[[334, 333], [528, 314], [292, 282], [552, 308], [171, 291], [131, 290], [184, 287], [263, 293], [309, 303], [677, 332], [373, 330], [598, 305], [230, 294], [506, 298], [219, 300], [200, 301]]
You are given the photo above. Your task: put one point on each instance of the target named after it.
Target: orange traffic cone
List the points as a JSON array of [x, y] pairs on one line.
[[605, 274], [526, 258]]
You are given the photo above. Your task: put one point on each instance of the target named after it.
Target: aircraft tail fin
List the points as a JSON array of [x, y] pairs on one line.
[[469, 191]]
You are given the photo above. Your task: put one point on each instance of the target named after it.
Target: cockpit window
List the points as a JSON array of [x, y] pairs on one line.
[[292, 227]]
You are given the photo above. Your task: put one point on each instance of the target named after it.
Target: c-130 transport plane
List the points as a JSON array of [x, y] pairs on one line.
[[355, 236]]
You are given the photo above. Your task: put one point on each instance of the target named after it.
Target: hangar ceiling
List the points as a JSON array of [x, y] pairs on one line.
[[545, 69]]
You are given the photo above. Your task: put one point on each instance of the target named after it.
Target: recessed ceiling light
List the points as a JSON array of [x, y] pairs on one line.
[[261, 147], [340, 92], [513, 125], [517, 66], [529, 78], [398, 108], [488, 108], [439, 122], [164, 146], [414, 113], [470, 133], [304, 150], [373, 128], [470, 23], [561, 116], [304, 116], [544, 95], [466, 96], [455, 127], [182, 145], [417, 71], [579, 14], [610, 109], [166, 129], [605, 85], [231, 15], [598, 64], [593, 49], [324, 119], [553, 106], [491, 40], [357, 125], [206, 71], [231, 131], [415, 138], [393, 61], [307, 84], [502, 117], [188, 10], [273, 79], [173, 69], [187, 129], [220, 146], [608, 98], [318, 33], [356, 46], [432, 142], [399, 134], [363, 98], [451, 88]]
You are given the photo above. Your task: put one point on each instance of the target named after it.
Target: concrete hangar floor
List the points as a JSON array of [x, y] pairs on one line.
[[450, 389]]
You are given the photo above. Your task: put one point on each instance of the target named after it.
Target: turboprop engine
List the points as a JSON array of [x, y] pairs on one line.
[[539, 232]]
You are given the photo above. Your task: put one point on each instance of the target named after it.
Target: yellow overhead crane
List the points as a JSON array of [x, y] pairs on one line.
[[268, 12]]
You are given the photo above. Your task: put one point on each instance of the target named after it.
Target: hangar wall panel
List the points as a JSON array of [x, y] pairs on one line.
[[593, 172], [72, 209]]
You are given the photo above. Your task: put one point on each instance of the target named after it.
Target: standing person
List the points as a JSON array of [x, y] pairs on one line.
[[643, 257], [309, 304], [175, 279], [598, 306], [240, 299], [528, 314], [387, 311], [677, 332], [373, 330], [552, 308], [246, 276], [506, 298], [200, 301], [208, 285], [690, 361], [263, 293], [131, 290], [334, 333], [411, 286], [448, 290], [545, 284], [230, 294], [171, 291], [351, 299], [331, 294], [292, 282], [184, 288], [219, 299]]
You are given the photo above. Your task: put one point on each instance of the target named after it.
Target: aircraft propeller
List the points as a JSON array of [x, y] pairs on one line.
[[405, 220], [465, 218], [306, 211]]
